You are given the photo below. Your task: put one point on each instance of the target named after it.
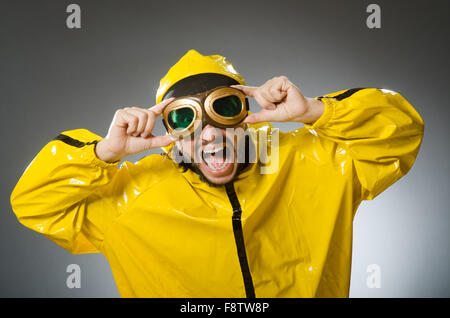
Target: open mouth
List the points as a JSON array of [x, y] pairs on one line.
[[217, 160]]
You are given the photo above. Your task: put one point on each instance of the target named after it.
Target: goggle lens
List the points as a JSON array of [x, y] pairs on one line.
[[181, 118], [228, 106]]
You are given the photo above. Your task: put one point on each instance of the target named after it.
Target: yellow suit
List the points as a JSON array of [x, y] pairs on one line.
[[167, 234]]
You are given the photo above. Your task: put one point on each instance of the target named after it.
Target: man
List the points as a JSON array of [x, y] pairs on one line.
[[219, 227]]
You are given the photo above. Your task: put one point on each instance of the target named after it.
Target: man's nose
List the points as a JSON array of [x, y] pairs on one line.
[[210, 133]]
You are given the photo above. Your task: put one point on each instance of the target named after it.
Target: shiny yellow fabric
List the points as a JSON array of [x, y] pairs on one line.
[[193, 63], [167, 234]]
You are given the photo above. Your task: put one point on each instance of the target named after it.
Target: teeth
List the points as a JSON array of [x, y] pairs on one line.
[[213, 150], [218, 168]]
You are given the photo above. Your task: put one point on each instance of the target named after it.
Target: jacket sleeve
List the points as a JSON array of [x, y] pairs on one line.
[[379, 129], [63, 193]]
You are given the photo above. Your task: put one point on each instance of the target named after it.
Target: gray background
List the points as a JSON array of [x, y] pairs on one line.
[[55, 79]]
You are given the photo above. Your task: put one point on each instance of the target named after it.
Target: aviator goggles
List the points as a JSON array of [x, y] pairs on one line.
[[220, 107]]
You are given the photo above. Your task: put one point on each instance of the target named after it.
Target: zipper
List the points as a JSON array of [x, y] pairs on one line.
[[239, 238]]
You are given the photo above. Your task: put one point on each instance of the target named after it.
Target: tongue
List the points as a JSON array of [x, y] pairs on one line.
[[217, 161]]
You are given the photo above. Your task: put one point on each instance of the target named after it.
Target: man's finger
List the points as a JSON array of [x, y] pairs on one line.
[[264, 103], [248, 90], [127, 121], [159, 141], [142, 116], [272, 94], [158, 108], [277, 93], [263, 115], [149, 125]]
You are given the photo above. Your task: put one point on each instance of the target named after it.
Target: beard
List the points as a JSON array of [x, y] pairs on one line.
[[185, 164]]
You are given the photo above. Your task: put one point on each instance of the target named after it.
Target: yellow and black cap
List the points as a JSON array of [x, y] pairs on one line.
[[205, 94]]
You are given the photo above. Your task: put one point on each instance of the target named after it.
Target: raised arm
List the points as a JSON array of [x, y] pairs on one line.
[[73, 188], [378, 128]]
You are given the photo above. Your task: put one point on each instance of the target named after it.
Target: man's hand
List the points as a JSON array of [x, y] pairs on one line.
[[131, 132], [282, 101]]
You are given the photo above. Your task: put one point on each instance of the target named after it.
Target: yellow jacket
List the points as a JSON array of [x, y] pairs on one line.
[[167, 234]]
